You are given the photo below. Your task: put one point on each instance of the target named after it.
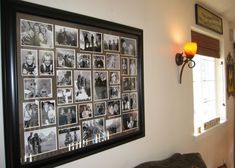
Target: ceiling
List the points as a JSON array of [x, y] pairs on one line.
[[225, 8]]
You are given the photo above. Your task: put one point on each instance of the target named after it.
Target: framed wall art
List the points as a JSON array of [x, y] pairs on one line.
[[73, 85]]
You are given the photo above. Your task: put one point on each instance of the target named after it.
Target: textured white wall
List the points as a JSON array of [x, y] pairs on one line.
[[168, 105]]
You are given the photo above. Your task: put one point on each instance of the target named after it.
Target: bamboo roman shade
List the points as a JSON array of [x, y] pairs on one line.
[[206, 45]]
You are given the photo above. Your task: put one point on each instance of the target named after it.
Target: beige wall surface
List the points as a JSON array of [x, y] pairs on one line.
[[168, 105]]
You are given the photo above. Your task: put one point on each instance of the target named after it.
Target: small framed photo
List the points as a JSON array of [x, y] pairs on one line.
[[40, 141], [133, 101], [129, 121], [99, 109], [48, 112], [128, 46], [111, 42], [90, 41], [64, 96], [37, 88], [113, 61], [113, 108], [85, 111], [83, 61], [114, 92], [31, 114], [65, 58], [64, 78], [29, 62], [98, 61], [82, 86], [66, 36], [125, 102], [129, 84], [100, 85], [114, 77], [46, 62], [125, 66], [133, 66], [69, 137], [36, 34], [114, 125], [67, 115]]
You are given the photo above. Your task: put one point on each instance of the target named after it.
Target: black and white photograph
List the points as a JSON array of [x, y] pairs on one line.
[[83, 61], [64, 78], [125, 102], [133, 101], [128, 46], [114, 125], [114, 77], [129, 83], [125, 66], [100, 85], [48, 112], [67, 115], [130, 121], [40, 141], [31, 114], [85, 111], [69, 137], [37, 88], [36, 34], [66, 36], [92, 131], [114, 92], [133, 66], [82, 86], [29, 62], [64, 96], [46, 62], [113, 108], [113, 61], [65, 58], [98, 61], [99, 109], [111, 42], [90, 41]]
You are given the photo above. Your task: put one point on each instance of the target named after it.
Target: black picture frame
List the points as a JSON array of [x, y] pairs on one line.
[[12, 90]]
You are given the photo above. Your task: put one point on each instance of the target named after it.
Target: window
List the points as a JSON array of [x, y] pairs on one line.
[[209, 92]]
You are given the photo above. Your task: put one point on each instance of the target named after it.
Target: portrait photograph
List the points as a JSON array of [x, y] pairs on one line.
[[64, 96], [90, 41], [133, 101], [99, 109], [83, 61], [98, 61], [100, 85], [46, 62], [31, 114], [114, 77], [114, 92], [82, 86], [111, 42], [92, 130], [133, 66], [114, 125], [130, 121], [113, 61], [69, 137], [129, 84], [64, 78], [29, 62], [113, 108], [36, 34], [125, 102], [85, 111], [125, 66], [37, 88], [128, 46], [65, 58], [66, 36], [40, 141], [67, 115], [48, 112]]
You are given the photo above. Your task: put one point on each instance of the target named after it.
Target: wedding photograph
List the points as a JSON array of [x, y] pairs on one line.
[[65, 58], [48, 112], [83, 61], [111, 42], [31, 114], [66, 36], [124, 66], [133, 66], [133, 101], [46, 62], [125, 102], [100, 85], [128, 46], [29, 62], [90, 41]]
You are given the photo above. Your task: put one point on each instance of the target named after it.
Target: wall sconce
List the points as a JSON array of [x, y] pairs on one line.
[[190, 50]]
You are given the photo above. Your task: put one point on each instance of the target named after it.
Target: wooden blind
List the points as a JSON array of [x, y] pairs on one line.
[[206, 45]]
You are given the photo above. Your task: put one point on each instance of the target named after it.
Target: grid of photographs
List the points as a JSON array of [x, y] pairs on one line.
[[79, 86]]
